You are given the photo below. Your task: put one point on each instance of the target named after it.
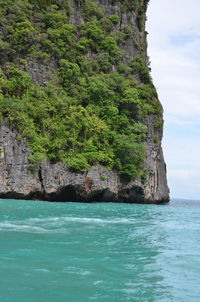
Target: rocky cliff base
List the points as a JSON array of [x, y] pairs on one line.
[[54, 182]]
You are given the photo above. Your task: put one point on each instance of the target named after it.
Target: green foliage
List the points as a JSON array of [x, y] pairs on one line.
[[102, 177], [42, 3], [129, 156], [114, 19], [91, 10], [93, 32], [69, 72], [139, 68], [59, 40], [91, 112], [21, 36], [19, 82], [127, 30], [158, 124], [156, 139], [110, 45], [143, 176]]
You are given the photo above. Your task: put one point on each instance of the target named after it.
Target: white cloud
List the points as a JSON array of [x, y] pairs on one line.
[[174, 31], [185, 183], [188, 152]]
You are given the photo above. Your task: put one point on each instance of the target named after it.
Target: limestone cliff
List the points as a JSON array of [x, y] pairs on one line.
[[52, 179], [56, 183]]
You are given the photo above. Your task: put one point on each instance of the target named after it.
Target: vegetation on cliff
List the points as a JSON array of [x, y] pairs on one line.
[[67, 87]]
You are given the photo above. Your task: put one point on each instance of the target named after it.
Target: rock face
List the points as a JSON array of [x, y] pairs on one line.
[[54, 182]]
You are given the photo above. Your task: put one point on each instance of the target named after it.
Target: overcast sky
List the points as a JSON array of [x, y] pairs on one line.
[[174, 50]]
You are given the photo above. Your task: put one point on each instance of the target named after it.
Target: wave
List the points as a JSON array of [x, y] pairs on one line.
[[83, 220], [8, 226], [56, 224]]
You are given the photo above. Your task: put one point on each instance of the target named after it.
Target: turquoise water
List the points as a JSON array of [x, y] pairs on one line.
[[78, 252]]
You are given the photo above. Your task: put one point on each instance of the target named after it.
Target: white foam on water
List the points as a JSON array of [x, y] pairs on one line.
[[57, 224], [8, 226], [43, 270], [98, 282], [64, 219], [76, 270]]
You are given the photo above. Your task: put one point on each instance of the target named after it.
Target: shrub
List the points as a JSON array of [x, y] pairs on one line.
[[139, 68]]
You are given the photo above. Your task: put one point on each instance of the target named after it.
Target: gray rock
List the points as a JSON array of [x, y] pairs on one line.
[[55, 182], [16, 180]]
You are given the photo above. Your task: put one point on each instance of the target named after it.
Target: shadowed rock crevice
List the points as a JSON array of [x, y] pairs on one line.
[[42, 193], [68, 193], [77, 193], [134, 194]]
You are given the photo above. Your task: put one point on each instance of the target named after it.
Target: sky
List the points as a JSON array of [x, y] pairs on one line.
[[174, 50]]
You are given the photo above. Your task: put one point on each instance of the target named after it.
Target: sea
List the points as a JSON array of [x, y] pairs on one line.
[[101, 252]]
